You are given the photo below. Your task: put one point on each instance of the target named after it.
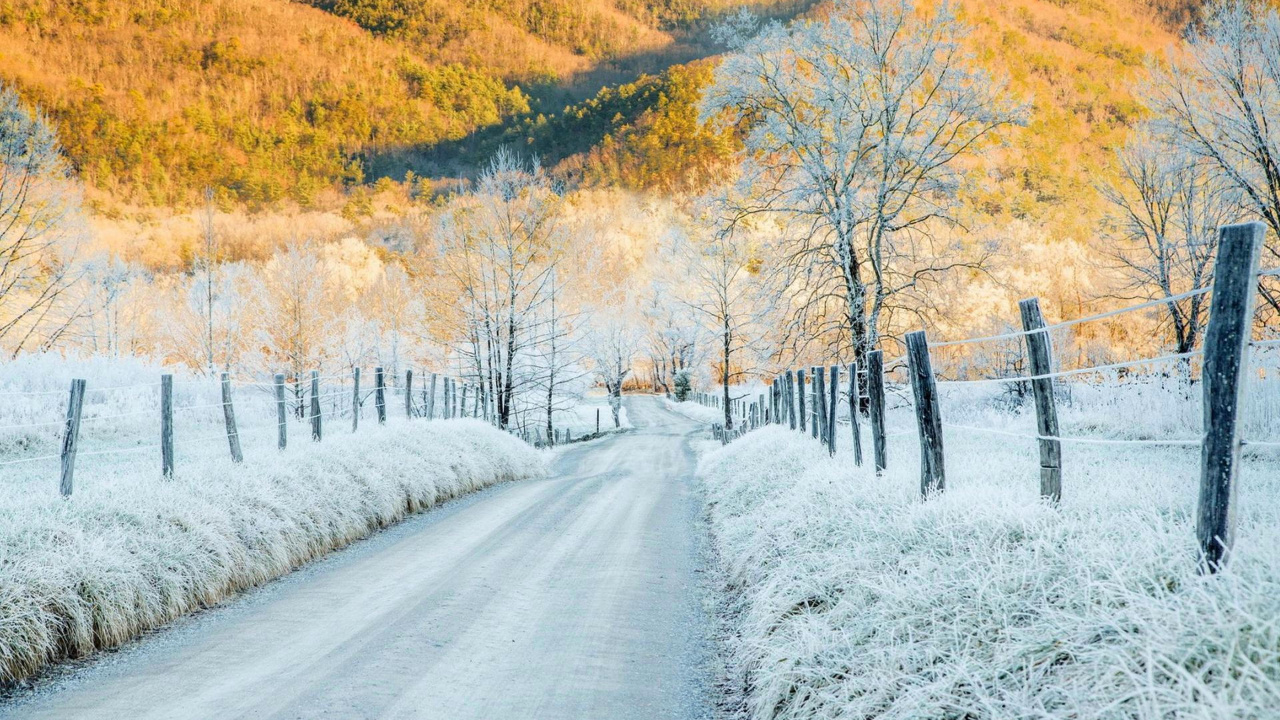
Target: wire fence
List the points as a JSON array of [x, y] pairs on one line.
[[307, 401], [810, 400]]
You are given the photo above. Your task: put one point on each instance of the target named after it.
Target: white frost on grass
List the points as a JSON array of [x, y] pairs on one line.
[[122, 556], [854, 598], [694, 411]]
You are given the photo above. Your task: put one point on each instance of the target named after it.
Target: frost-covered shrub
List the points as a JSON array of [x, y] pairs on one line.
[[683, 385]]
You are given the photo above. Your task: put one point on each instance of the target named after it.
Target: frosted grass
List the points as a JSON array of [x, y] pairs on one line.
[[853, 598]]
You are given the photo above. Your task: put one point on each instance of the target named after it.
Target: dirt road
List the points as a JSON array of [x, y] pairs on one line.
[[572, 597]]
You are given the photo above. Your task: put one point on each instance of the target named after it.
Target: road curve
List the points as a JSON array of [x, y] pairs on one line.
[[571, 597]]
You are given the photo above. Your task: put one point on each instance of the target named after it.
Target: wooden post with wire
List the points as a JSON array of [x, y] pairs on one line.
[[166, 425], [380, 395], [1226, 372], [801, 389], [1040, 356], [875, 407], [282, 420], [831, 410], [408, 393], [814, 377], [71, 436], [229, 416], [355, 399], [924, 390], [316, 429], [820, 403], [853, 414], [431, 399], [791, 399]]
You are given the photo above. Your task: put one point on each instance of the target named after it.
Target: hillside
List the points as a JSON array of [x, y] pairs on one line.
[[270, 101]]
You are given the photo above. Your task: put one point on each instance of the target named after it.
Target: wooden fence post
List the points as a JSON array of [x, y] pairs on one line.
[[408, 393], [355, 399], [814, 413], [166, 425], [282, 426], [924, 389], [875, 407], [801, 389], [835, 404], [380, 395], [1226, 371], [1040, 355], [229, 416], [597, 421], [316, 433], [853, 414], [431, 399], [71, 437], [820, 403], [791, 398]]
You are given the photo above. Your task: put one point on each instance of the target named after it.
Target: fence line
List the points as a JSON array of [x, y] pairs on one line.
[[340, 393], [1225, 372]]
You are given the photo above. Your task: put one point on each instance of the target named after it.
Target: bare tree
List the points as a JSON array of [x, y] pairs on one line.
[[614, 344], [722, 292], [39, 228], [1168, 205], [1219, 98], [497, 249], [856, 128]]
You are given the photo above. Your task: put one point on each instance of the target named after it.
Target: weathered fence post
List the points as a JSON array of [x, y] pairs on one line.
[[791, 398], [408, 393], [853, 413], [431, 399], [820, 403], [229, 416], [380, 395], [316, 433], [924, 389], [801, 389], [1226, 360], [71, 436], [875, 407], [597, 421], [282, 427], [166, 425], [815, 377], [355, 399], [835, 404], [1040, 355]]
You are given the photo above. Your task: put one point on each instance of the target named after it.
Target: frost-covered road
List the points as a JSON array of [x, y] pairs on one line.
[[571, 597]]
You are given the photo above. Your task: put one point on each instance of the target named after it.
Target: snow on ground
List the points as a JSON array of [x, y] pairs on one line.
[[130, 551], [580, 419], [694, 411], [852, 597]]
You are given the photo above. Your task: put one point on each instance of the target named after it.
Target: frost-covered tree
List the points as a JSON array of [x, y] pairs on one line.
[[722, 291], [1168, 205], [39, 229], [296, 302], [497, 248], [1219, 98], [614, 343], [857, 126]]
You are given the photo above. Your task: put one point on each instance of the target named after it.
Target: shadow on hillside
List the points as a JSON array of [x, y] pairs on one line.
[[462, 158]]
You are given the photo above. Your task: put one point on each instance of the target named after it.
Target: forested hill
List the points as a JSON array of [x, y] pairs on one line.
[[273, 101]]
